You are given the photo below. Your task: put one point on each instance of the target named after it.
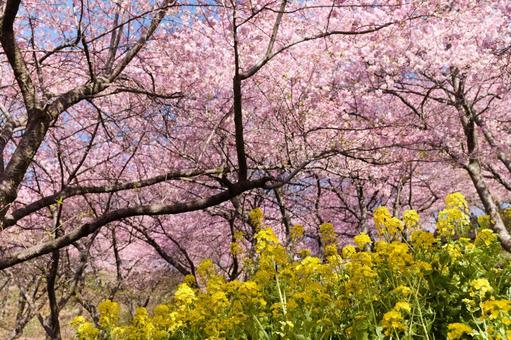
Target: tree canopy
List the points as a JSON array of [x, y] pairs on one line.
[[138, 135]]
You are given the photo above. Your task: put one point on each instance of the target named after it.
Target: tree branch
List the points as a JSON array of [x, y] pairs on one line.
[[116, 215], [14, 56], [11, 219]]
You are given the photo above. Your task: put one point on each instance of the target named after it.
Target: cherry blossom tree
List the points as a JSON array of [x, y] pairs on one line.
[[454, 94], [116, 115], [138, 135]]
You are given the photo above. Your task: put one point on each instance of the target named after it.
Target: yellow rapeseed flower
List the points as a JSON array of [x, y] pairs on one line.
[[331, 250], [457, 330], [219, 298], [403, 306], [185, 294], [381, 215], [236, 248], [361, 240], [496, 308], [456, 200], [454, 251], [392, 321], [109, 313], [87, 331], [266, 240], [309, 265], [484, 221], [255, 217], [304, 253], [398, 255], [327, 232], [206, 269], [296, 232], [77, 321], [423, 239], [348, 251], [479, 287], [485, 237], [422, 266], [402, 290], [411, 218], [394, 225]]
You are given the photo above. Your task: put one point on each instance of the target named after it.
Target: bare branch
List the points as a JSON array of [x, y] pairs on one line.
[[71, 191], [13, 53], [116, 215]]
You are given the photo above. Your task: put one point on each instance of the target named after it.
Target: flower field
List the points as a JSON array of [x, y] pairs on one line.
[[405, 283]]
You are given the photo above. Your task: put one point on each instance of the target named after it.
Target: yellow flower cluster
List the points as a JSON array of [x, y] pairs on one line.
[[497, 309], [455, 218], [362, 240], [411, 219], [109, 312], [456, 200], [393, 322], [84, 329], [266, 240], [386, 225], [408, 284], [255, 218], [423, 239], [327, 233], [486, 237], [457, 330], [402, 290], [296, 232], [480, 287], [184, 294]]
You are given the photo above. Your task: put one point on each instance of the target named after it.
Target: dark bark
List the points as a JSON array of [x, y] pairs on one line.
[[473, 168], [116, 215]]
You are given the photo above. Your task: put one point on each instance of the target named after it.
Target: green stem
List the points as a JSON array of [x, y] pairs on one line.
[[282, 297], [420, 311]]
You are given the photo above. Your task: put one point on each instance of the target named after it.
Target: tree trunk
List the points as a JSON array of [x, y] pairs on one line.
[[53, 329], [474, 170]]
